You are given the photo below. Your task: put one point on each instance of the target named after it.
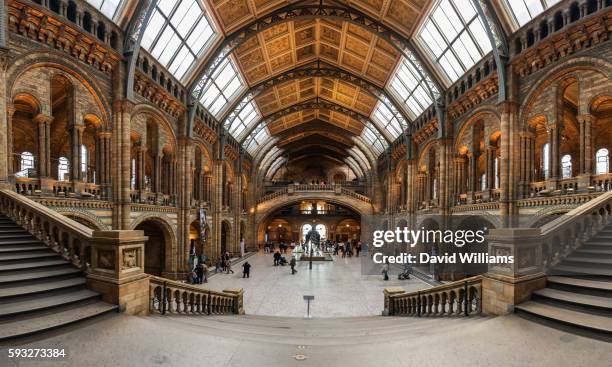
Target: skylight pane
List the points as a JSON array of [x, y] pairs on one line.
[[526, 10], [176, 34], [455, 37], [107, 7], [409, 86]]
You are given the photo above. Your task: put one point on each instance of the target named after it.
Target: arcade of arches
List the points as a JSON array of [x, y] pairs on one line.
[[314, 121]]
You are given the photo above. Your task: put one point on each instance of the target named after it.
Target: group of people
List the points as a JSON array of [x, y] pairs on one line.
[[347, 248], [224, 264]]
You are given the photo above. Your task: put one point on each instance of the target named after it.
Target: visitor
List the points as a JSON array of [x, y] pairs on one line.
[[385, 270], [336, 248], [204, 272], [228, 266], [246, 272], [219, 265], [358, 248], [199, 270], [349, 250], [292, 263], [277, 257]]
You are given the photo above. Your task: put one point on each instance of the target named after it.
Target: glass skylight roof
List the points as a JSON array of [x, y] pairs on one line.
[[408, 85], [244, 120], [222, 87], [177, 34], [256, 139], [455, 37], [372, 137], [107, 7], [525, 10], [387, 120]]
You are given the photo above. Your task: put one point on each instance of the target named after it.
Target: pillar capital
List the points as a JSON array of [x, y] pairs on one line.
[[123, 105], [585, 117], [42, 118]]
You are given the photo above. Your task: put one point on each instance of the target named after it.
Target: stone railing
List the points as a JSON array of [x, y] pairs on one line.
[[172, 297], [152, 198], [460, 298], [64, 235], [568, 232], [572, 199], [355, 195], [272, 195], [475, 207]]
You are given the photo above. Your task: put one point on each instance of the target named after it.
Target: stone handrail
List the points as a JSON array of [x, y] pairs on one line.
[[493, 205], [463, 297], [272, 195], [356, 195], [565, 234], [571, 199], [59, 232], [168, 296]]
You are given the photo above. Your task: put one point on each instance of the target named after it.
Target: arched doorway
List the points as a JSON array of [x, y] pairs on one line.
[[155, 247]]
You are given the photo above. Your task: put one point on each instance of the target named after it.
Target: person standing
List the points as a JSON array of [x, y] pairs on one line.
[[293, 263], [246, 272], [200, 273]]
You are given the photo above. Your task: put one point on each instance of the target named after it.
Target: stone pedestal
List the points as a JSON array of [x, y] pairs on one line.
[[584, 182], [117, 270], [508, 284], [388, 292]]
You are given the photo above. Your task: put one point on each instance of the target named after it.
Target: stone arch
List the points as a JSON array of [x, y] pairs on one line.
[[597, 65], [160, 247], [150, 111], [58, 61], [547, 215]]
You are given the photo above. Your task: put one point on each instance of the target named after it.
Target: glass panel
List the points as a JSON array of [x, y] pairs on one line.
[[222, 88], [526, 10], [454, 37], [410, 88], [186, 34], [601, 158], [107, 7]]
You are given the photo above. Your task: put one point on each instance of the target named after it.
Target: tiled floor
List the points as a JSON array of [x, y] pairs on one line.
[[338, 286]]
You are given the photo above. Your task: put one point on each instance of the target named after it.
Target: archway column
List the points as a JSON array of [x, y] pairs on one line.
[[122, 163], [508, 162], [44, 149], [527, 142], [587, 155], [185, 186]]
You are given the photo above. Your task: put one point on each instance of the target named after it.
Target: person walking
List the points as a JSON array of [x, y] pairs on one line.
[[277, 257], [293, 263], [200, 273], [246, 272], [385, 270], [228, 266]]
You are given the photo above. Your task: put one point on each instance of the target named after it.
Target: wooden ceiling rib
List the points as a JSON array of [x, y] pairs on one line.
[[294, 43]]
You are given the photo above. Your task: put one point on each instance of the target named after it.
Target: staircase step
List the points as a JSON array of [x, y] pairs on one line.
[[27, 255], [33, 264], [17, 230], [18, 328], [22, 248], [573, 269], [39, 287], [42, 273], [20, 306], [20, 242], [581, 283], [597, 323], [595, 252], [588, 260], [601, 303], [17, 236]]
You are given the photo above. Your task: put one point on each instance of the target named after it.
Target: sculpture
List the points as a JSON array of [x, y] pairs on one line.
[[313, 238]]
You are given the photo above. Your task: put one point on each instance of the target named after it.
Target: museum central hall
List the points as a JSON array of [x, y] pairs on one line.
[[214, 182]]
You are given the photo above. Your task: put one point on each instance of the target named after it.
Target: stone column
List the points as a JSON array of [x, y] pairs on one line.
[[75, 156], [587, 155], [121, 167], [490, 167], [140, 167], [508, 150], [6, 152], [44, 157], [157, 171]]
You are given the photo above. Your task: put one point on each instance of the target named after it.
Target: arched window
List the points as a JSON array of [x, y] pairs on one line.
[[84, 161], [602, 161], [322, 231], [545, 161], [305, 229], [483, 182], [133, 175], [26, 162], [62, 168], [566, 166]]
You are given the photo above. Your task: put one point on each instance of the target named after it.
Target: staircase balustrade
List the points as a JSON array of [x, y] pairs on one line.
[[172, 297], [460, 298]]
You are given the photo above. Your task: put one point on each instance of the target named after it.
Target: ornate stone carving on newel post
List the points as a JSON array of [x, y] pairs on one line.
[[388, 292], [508, 284], [117, 269]]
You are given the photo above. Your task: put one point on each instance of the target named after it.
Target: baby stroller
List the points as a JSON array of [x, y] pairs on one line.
[[405, 275], [282, 261]]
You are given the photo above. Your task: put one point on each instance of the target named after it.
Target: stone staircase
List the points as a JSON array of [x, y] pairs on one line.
[[578, 295], [39, 290]]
